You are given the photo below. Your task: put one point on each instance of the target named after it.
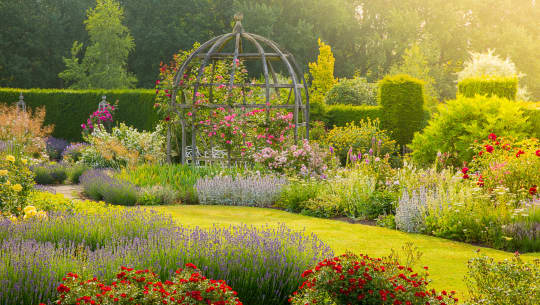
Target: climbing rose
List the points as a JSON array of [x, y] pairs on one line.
[[489, 148], [492, 137]]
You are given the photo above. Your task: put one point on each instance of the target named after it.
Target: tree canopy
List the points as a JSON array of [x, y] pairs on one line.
[[367, 37]]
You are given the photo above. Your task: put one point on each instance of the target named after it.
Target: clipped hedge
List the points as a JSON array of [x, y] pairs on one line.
[[402, 100], [505, 87], [68, 109], [340, 114]]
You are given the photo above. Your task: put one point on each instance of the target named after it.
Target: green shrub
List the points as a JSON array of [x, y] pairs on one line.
[[157, 194], [402, 101], [532, 111], [458, 123], [507, 282], [68, 109], [506, 87], [75, 172], [356, 91], [49, 173], [360, 138], [317, 131], [297, 192]]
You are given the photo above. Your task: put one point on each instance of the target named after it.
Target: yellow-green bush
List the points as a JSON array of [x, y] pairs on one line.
[[532, 111], [58, 202], [402, 100], [506, 87], [458, 123]]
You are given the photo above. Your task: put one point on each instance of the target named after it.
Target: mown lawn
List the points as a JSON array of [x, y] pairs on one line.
[[446, 259]]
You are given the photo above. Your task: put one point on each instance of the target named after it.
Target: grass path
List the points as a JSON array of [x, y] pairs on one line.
[[446, 259]]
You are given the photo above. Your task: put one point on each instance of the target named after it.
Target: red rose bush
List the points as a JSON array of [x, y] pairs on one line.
[[351, 279], [189, 287]]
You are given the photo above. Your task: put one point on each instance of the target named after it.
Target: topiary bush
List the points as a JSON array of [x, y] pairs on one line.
[[506, 87], [402, 101], [458, 123], [356, 91]]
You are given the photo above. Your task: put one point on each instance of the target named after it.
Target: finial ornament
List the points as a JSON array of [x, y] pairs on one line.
[[21, 105], [238, 17], [102, 106]]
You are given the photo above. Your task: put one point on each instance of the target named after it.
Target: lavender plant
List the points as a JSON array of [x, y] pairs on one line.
[[263, 264], [73, 152], [100, 184], [55, 147], [49, 173], [253, 190]]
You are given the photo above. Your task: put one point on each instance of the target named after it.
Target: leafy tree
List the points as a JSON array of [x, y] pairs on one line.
[[415, 64], [105, 61], [322, 72]]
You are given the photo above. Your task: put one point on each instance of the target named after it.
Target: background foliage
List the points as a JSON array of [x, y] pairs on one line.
[[35, 35]]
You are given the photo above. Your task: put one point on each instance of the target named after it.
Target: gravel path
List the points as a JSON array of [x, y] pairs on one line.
[[69, 191]]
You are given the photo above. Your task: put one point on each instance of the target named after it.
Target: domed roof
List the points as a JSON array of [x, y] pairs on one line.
[[267, 51]]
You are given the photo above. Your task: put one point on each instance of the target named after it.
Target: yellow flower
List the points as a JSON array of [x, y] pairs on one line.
[[30, 209], [3, 172], [17, 187], [8, 183], [12, 218], [24, 161], [41, 215], [10, 158]]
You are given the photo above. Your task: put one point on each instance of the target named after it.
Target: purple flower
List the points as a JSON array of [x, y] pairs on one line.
[[331, 149]]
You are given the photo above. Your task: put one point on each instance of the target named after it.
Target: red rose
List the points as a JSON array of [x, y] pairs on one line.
[[489, 148], [62, 288], [464, 170], [492, 137], [167, 118], [538, 153], [520, 152], [533, 190], [465, 176]]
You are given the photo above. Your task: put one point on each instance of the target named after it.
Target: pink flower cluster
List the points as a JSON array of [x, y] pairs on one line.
[[99, 117], [308, 160]]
